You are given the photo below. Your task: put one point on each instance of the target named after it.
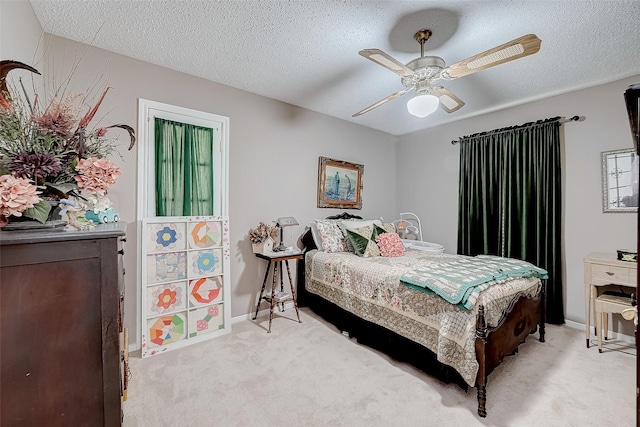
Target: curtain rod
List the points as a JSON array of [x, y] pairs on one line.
[[571, 119]]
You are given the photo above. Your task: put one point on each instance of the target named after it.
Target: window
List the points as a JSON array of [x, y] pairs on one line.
[[152, 113]]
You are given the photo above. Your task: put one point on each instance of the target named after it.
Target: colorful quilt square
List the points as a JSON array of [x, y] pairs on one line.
[[205, 263], [204, 234], [205, 290], [205, 319], [166, 237], [166, 298], [166, 267], [165, 330]]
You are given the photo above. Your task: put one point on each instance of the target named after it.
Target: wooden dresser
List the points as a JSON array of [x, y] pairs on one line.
[[600, 271], [59, 327]]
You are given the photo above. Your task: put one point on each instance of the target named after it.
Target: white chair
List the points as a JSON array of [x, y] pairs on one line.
[[606, 304]]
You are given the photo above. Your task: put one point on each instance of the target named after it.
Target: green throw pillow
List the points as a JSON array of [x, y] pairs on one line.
[[363, 241], [377, 230]]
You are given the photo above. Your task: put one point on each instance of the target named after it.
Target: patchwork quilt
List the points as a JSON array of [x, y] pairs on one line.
[[371, 289], [460, 281]]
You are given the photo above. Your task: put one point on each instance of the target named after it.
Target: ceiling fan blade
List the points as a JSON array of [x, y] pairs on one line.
[[388, 62], [515, 49], [448, 101], [382, 101]]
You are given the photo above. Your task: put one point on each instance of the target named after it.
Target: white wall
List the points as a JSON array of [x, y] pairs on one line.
[[428, 176], [20, 33], [274, 150]]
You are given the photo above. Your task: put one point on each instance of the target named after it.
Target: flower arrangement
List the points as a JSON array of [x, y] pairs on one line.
[[262, 232], [48, 145]]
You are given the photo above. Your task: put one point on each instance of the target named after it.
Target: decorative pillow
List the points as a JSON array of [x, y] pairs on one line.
[[354, 224], [362, 241], [331, 236], [389, 227], [390, 244], [377, 230]]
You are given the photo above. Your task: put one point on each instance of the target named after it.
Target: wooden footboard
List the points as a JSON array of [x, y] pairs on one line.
[[522, 318]]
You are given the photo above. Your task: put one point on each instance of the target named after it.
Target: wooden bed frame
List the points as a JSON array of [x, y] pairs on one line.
[[493, 343]]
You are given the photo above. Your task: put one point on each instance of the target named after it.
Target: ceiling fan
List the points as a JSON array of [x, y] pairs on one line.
[[423, 73]]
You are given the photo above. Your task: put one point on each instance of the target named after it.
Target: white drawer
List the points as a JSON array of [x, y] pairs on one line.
[[604, 274]]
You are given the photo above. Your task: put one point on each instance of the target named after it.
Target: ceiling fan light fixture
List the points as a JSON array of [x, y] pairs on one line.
[[422, 105]]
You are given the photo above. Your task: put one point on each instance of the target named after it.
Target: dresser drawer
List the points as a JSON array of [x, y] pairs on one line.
[[604, 274]]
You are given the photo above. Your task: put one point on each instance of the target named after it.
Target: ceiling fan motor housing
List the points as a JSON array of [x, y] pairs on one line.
[[424, 68]]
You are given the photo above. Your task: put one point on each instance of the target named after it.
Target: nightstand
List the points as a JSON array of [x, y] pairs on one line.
[[276, 259]]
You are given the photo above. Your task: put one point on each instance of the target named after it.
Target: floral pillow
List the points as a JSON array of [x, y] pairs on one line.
[[362, 240], [390, 245], [331, 236]]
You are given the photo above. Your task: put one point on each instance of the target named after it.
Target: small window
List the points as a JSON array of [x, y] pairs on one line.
[[184, 163]]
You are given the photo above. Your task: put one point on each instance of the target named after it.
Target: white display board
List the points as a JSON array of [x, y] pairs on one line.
[[185, 281]]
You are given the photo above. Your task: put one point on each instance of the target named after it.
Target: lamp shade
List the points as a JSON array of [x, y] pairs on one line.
[[423, 105]]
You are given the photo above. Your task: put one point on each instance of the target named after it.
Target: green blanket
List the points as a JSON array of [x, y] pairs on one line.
[[456, 281]]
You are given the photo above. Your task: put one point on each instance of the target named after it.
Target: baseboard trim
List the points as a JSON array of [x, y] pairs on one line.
[[265, 312], [610, 334], [289, 305], [249, 316]]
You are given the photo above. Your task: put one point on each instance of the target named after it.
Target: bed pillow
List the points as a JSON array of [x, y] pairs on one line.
[[390, 245], [362, 240], [354, 224], [315, 234], [331, 236]]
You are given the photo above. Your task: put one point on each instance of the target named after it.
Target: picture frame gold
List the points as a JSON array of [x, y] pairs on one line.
[[339, 184]]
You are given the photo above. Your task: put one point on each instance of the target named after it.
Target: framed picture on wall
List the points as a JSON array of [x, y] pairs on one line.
[[339, 184], [620, 181]]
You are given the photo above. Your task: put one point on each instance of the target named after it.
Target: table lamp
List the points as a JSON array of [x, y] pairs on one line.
[[282, 222]]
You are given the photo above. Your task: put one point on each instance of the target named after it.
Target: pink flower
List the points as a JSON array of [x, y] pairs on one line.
[[16, 195], [95, 175]]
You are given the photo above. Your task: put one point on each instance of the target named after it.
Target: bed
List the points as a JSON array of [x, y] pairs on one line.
[[373, 300]]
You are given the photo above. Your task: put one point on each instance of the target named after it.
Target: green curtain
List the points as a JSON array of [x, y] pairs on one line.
[[510, 200], [184, 169]]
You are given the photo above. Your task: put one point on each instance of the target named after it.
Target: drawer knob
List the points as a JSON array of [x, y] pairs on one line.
[[610, 273]]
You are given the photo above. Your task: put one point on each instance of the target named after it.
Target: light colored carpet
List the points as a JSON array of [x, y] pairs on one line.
[[309, 374]]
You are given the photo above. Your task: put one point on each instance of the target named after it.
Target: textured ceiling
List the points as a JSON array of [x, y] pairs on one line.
[[306, 52]]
